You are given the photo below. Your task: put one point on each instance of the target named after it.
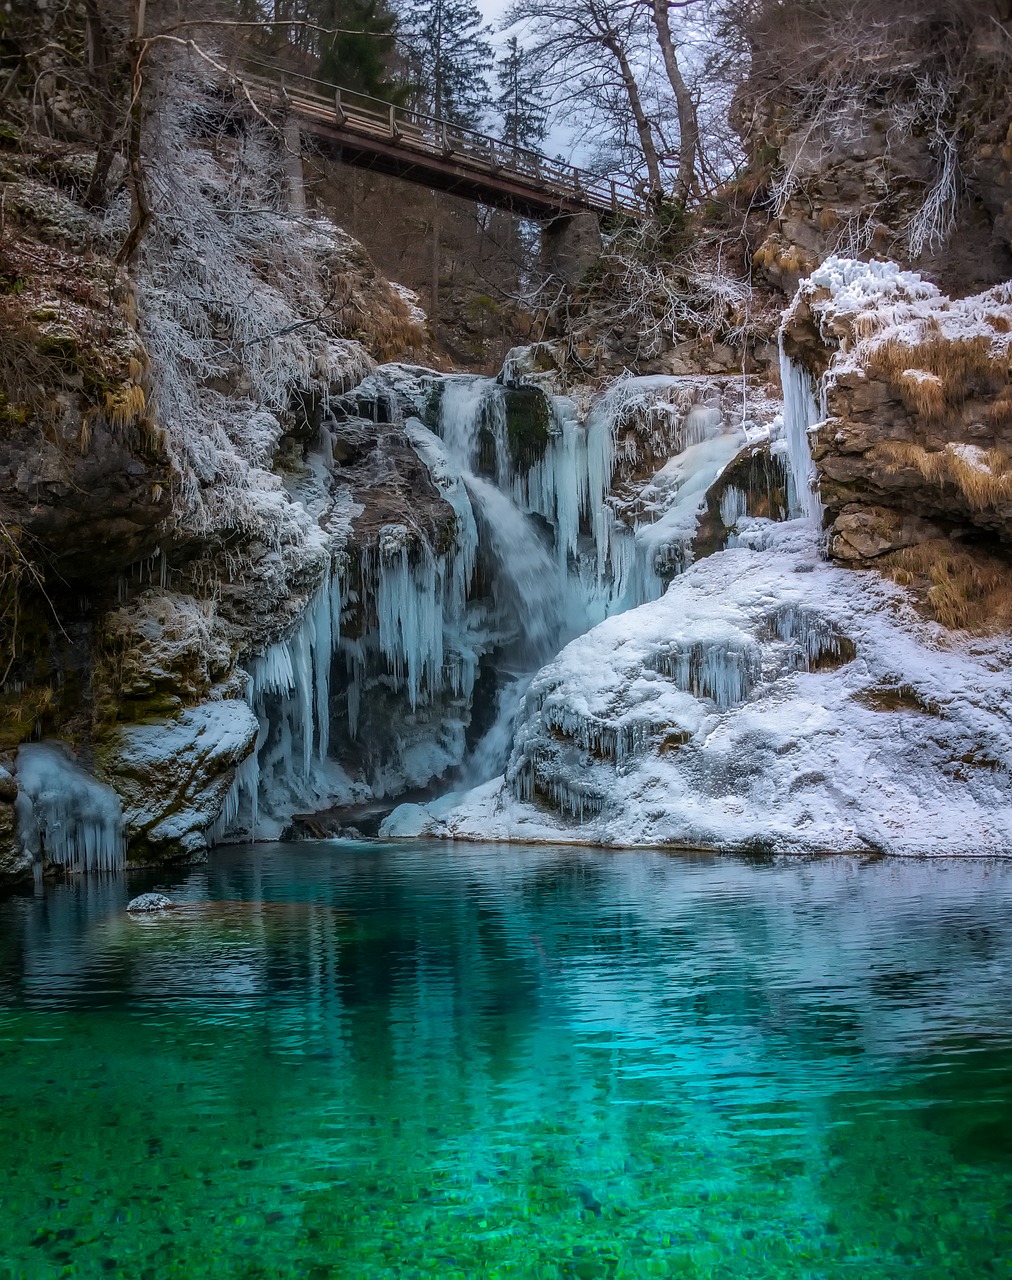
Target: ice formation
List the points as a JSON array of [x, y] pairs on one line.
[[289, 693], [789, 727], [801, 414], [65, 815], [768, 700], [543, 546]]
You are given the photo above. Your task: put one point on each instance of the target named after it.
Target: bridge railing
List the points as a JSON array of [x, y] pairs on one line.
[[416, 130]]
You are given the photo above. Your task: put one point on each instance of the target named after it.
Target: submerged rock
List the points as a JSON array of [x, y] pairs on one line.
[[148, 902]]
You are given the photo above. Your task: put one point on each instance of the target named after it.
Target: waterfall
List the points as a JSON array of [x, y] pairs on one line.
[[527, 584], [492, 752], [545, 542], [801, 413]]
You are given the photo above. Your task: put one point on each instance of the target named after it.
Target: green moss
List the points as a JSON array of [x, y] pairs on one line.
[[432, 405], [12, 416], [763, 480], [62, 349], [158, 706], [528, 423], [21, 714], [447, 537]]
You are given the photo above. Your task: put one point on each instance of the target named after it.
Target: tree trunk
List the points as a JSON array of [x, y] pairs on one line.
[[108, 107], [140, 205], [291, 163], [643, 129], [688, 120], [436, 262]]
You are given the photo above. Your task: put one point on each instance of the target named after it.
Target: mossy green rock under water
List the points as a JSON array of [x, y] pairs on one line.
[[528, 425]]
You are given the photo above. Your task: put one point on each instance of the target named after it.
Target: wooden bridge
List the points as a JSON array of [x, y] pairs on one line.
[[372, 134]]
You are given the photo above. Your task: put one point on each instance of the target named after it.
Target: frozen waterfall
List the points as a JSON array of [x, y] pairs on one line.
[[801, 413], [560, 518], [65, 815]]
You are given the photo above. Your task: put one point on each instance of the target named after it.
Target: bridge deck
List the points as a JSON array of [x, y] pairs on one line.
[[374, 135]]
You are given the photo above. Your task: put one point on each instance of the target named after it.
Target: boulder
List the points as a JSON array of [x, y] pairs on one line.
[[173, 776]]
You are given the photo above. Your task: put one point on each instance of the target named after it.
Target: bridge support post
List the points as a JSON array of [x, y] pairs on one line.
[[291, 161], [570, 244]]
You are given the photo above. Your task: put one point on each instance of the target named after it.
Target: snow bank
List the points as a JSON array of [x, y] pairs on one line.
[[767, 701]]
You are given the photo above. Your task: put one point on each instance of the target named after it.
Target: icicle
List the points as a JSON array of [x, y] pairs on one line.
[[245, 787], [733, 506], [801, 412], [726, 671], [409, 609], [289, 692], [809, 636], [65, 815]]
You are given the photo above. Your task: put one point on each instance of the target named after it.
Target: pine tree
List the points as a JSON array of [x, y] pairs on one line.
[[448, 52], [359, 56], [520, 104]]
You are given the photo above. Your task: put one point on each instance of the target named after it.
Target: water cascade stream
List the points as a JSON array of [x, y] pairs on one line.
[[544, 547]]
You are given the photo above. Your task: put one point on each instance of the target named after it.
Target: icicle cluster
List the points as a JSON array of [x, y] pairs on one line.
[[66, 816], [572, 798], [801, 413], [289, 692], [810, 637], [725, 670]]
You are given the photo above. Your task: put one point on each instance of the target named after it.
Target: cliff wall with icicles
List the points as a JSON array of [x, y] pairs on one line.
[[254, 574], [774, 699], [264, 569]]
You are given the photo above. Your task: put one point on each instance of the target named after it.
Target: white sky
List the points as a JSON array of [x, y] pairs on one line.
[[561, 139]]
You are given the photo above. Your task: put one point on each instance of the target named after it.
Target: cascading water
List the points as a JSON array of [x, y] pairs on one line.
[[529, 585], [541, 550]]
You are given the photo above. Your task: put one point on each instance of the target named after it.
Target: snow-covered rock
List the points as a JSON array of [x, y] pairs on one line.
[[768, 701], [175, 776], [146, 903]]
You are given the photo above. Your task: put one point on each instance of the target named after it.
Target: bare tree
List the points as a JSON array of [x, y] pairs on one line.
[[587, 46], [688, 119]]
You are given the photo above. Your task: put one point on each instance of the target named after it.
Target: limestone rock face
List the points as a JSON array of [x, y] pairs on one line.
[[179, 471], [173, 776], [915, 444], [15, 863], [862, 533], [856, 157]]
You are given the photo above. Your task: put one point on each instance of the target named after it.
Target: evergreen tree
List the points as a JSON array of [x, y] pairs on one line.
[[448, 53], [360, 55], [520, 104]]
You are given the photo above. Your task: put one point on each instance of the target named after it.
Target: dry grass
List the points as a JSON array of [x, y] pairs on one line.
[[963, 589], [388, 331], [1000, 412], [983, 478], [923, 393], [125, 406], [962, 369]]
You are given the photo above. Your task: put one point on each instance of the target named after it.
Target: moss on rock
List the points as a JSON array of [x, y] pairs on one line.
[[528, 425]]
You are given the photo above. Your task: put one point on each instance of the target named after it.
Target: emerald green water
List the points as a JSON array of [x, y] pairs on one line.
[[362, 1061]]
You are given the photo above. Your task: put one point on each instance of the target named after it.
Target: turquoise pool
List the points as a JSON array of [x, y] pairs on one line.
[[341, 1060]]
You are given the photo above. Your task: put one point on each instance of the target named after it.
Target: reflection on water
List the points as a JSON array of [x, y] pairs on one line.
[[351, 1061]]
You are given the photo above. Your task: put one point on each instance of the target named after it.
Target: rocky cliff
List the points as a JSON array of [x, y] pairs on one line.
[[168, 499], [913, 445], [880, 132]]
